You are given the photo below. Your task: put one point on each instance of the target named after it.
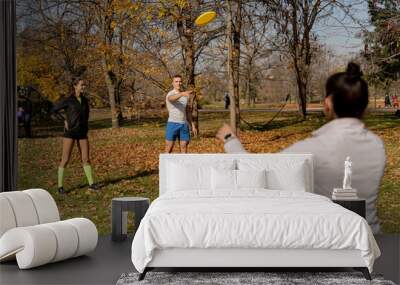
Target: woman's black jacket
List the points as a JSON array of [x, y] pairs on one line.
[[75, 113]]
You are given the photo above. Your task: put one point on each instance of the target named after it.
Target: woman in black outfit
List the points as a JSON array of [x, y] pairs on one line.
[[76, 109]]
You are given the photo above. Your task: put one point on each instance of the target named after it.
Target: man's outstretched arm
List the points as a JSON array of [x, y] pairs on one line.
[[175, 97]]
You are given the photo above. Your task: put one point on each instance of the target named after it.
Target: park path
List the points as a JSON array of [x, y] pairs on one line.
[[274, 110], [104, 113]]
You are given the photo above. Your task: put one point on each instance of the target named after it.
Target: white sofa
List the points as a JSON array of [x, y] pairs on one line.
[[31, 231]]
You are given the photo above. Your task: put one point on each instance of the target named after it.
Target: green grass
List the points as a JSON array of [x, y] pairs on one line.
[[126, 160]]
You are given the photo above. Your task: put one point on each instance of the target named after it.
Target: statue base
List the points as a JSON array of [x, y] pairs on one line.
[[344, 194], [339, 190]]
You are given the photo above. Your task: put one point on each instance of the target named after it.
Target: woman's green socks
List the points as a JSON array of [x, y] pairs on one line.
[[86, 168], [60, 176], [88, 172]]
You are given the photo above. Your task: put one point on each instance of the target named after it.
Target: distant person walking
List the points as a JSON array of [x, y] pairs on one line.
[[396, 105], [28, 110], [20, 119], [179, 118], [395, 101], [227, 100], [76, 108], [388, 102], [20, 115]]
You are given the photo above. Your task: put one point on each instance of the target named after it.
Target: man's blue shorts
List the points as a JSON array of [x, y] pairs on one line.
[[177, 131]]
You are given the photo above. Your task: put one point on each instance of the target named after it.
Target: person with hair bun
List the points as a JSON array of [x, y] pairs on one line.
[[76, 117], [344, 134]]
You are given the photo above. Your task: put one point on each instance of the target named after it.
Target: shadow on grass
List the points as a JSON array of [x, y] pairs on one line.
[[208, 135], [373, 120], [115, 180], [383, 121], [128, 177], [271, 125], [285, 120], [106, 123], [47, 130]]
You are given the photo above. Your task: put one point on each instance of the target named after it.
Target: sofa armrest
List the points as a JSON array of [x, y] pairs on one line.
[[32, 246], [41, 244]]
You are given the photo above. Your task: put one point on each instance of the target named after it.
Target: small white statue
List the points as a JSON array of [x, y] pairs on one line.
[[347, 174]]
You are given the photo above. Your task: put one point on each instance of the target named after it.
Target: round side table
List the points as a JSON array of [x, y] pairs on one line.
[[120, 207]]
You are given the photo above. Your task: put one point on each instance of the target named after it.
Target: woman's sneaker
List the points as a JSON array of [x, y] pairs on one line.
[[61, 190]]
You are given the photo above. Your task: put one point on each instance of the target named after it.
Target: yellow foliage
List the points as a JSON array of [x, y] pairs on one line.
[[33, 70]]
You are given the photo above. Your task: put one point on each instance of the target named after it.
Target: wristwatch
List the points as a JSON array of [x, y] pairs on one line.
[[227, 137]]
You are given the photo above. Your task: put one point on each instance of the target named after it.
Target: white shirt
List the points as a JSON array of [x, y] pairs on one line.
[[330, 145], [176, 109]]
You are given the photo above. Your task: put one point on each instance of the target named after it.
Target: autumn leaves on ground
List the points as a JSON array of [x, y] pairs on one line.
[[126, 160]]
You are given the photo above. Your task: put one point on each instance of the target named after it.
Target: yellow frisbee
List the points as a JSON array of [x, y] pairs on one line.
[[205, 18]]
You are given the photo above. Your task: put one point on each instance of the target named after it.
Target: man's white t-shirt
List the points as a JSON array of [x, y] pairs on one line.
[[330, 145], [177, 109]]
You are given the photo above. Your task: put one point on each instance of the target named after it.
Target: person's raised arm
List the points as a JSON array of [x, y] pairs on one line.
[[175, 97], [231, 142]]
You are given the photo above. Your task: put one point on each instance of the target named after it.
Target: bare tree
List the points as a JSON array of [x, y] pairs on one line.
[[233, 31], [57, 26], [192, 39], [256, 48], [294, 21]]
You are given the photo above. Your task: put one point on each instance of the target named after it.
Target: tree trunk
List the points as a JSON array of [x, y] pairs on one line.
[[300, 52], [248, 96], [189, 67], [302, 92], [249, 81], [252, 91], [186, 33], [303, 99], [234, 22], [236, 59], [110, 82], [107, 62], [248, 84]]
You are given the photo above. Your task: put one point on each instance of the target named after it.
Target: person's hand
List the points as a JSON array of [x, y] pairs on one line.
[[187, 93], [194, 130], [66, 125], [223, 131]]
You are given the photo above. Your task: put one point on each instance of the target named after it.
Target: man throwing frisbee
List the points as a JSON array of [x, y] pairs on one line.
[[180, 117]]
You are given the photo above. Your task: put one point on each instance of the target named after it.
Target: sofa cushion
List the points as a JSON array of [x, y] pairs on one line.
[[7, 218], [46, 207], [41, 244], [32, 246], [87, 233], [23, 208], [67, 240]]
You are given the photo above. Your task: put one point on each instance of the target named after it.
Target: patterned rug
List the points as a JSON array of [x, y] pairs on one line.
[[242, 278]]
